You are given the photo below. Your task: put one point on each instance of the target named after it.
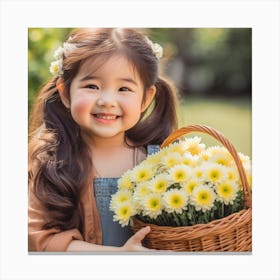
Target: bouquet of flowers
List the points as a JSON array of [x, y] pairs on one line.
[[184, 184]]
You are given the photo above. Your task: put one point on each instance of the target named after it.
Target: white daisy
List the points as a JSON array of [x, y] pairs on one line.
[[232, 174], [142, 173], [175, 201], [198, 172], [56, 67], [58, 54], [153, 159], [68, 48], [214, 173], [203, 198], [244, 159], [125, 182], [226, 192], [190, 185], [152, 205], [223, 158], [214, 150], [159, 183], [120, 197], [123, 212], [190, 160], [171, 159], [140, 192], [194, 145], [180, 173], [178, 147]]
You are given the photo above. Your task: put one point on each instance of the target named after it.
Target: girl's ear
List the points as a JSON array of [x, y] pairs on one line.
[[64, 98], [150, 94]]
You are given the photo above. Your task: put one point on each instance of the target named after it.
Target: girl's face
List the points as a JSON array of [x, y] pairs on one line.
[[107, 101]]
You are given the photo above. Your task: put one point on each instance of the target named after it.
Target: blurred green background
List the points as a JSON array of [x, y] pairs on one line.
[[210, 67]]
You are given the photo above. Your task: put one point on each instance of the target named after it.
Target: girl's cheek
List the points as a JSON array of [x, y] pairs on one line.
[[132, 104], [80, 107]]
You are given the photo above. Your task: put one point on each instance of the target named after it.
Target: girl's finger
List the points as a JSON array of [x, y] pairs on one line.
[[140, 235]]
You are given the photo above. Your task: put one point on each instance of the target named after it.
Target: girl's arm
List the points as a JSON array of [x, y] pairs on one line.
[[133, 244]]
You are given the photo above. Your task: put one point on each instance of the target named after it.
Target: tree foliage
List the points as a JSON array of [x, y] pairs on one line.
[[200, 61]]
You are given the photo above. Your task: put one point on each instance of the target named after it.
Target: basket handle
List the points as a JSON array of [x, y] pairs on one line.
[[227, 144]]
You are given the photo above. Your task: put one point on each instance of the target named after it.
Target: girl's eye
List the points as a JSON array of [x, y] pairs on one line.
[[92, 87], [125, 89]]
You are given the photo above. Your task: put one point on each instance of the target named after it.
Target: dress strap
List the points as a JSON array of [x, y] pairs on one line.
[[152, 149], [135, 156]]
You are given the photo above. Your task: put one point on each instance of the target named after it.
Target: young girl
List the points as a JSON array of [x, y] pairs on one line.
[[89, 124]]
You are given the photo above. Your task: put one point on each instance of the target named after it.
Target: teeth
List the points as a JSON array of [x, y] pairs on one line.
[[104, 117]]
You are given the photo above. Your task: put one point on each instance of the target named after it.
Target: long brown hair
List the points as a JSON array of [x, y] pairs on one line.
[[59, 160]]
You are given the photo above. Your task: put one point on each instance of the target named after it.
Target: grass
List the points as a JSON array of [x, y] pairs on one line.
[[232, 117]]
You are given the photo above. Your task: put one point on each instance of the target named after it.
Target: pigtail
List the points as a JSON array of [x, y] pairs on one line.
[[59, 161], [162, 120]]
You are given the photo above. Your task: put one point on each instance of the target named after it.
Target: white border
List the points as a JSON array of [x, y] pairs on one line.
[[17, 16]]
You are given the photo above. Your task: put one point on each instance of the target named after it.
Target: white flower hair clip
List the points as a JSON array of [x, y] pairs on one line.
[[157, 48], [65, 50]]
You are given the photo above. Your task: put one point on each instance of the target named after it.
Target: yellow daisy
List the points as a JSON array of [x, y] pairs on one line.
[[142, 173], [180, 173], [178, 147], [198, 172], [244, 159], [223, 158], [214, 150], [125, 182], [189, 185], [123, 213], [203, 198], [141, 190], [162, 152], [226, 192], [153, 159], [248, 172], [152, 205], [189, 159], [204, 155], [159, 183], [56, 67], [120, 197], [214, 173], [194, 145], [171, 159], [175, 201], [232, 174]]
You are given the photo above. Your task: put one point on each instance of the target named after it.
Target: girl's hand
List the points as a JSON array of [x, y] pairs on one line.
[[134, 242]]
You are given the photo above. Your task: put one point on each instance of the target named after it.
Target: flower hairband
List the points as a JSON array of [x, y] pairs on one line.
[[57, 65], [156, 48]]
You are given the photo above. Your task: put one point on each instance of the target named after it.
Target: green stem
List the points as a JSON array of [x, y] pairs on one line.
[[206, 217], [176, 219]]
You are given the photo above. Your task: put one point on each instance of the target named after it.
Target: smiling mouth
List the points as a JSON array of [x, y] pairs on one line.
[[106, 116]]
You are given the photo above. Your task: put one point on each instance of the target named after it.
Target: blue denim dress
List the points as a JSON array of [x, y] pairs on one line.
[[112, 232]]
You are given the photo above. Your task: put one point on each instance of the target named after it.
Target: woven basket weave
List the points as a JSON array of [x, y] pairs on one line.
[[232, 233]]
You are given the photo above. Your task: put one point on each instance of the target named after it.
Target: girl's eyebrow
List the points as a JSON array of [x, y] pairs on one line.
[[87, 78], [129, 80]]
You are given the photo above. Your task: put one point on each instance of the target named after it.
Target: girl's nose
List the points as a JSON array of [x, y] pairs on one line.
[[106, 99]]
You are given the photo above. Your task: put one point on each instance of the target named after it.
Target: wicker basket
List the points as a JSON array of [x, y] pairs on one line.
[[232, 233]]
